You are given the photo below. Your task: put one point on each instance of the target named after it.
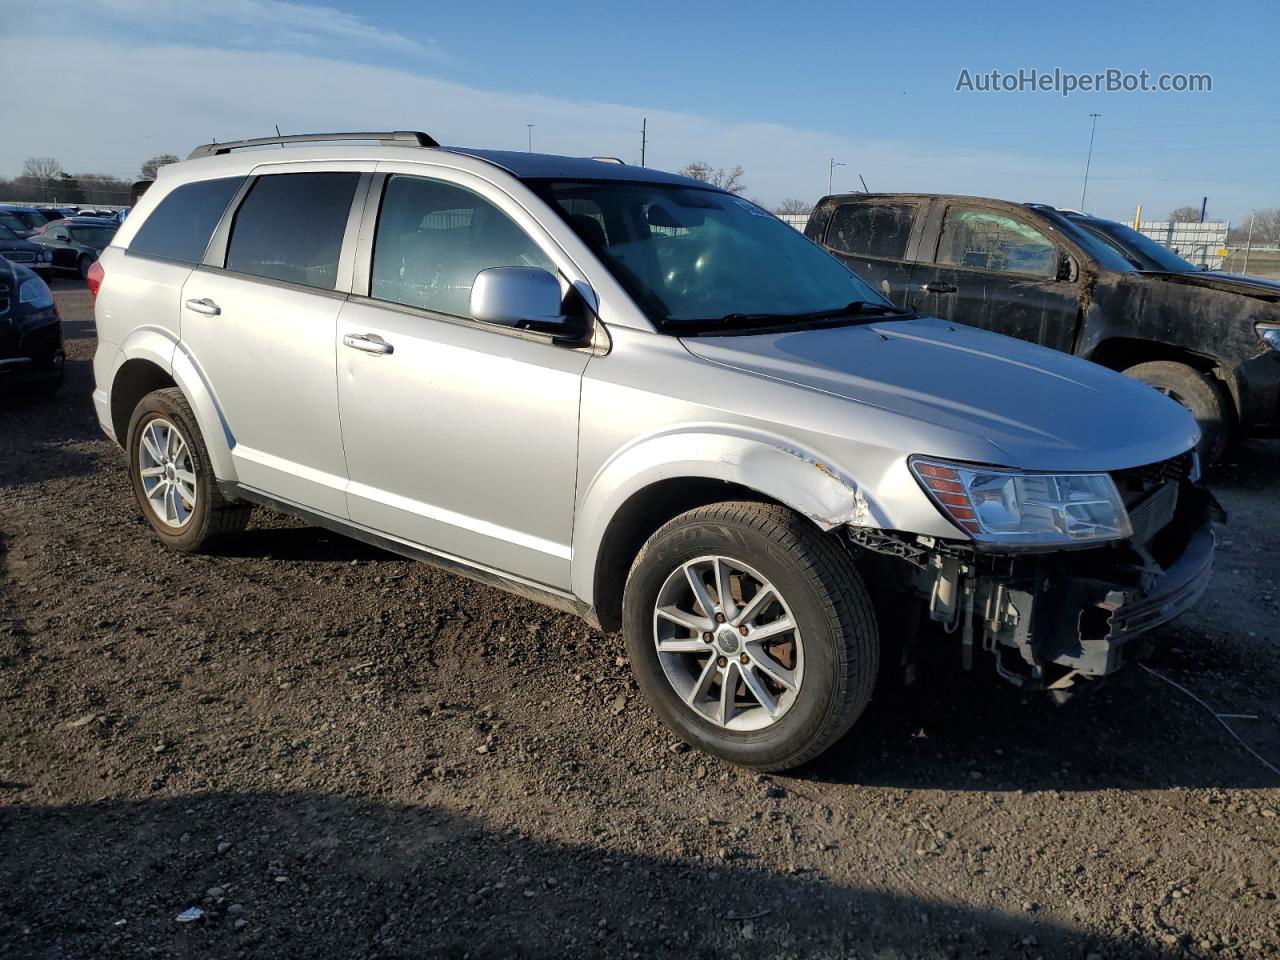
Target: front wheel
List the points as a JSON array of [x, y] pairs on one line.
[[1200, 394], [751, 634]]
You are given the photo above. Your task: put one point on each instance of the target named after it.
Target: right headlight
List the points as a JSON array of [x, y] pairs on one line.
[[1269, 333], [1019, 509]]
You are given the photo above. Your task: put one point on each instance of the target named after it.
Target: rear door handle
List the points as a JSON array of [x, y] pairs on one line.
[[205, 306], [940, 287], [369, 343]]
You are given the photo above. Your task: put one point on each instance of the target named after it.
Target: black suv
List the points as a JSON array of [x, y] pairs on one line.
[[1078, 284]]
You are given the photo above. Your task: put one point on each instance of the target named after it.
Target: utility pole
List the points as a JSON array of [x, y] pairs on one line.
[[644, 137], [832, 163], [1085, 189], [530, 128], [1248, 244]]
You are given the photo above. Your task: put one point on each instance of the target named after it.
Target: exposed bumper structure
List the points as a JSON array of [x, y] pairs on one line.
[[1048, 619]]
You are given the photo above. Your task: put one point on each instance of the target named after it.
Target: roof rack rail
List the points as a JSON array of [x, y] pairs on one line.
[[386, 138], [609, 160]]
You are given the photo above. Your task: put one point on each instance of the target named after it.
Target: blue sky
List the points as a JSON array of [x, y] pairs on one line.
[[778, 88]]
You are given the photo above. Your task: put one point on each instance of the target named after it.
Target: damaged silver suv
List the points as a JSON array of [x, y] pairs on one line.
[[646, 401]]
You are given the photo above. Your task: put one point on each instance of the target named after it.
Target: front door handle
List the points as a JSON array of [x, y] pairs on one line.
[[205, 306], [940, 287], [369, 343]]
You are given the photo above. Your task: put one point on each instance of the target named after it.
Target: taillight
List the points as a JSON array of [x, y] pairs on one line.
[[94, 278]]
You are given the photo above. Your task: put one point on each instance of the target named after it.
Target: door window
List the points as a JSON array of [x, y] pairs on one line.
[[433, 238], [989, 241], [180, 227], [872, 229], [290, 227]]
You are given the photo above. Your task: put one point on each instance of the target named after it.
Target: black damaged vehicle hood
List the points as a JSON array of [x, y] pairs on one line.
[[1257, 287]]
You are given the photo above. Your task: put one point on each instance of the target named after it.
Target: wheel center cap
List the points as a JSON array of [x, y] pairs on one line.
[[727, 640], [170, 472]]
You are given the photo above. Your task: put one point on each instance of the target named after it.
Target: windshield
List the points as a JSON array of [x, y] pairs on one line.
[[7, 234], [1139, 249], [93, 236], [703, 261]]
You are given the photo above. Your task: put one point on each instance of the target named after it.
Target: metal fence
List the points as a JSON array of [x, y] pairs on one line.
[[1201, 243]]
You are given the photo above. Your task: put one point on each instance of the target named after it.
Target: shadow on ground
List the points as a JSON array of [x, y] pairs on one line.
[[327, 876]]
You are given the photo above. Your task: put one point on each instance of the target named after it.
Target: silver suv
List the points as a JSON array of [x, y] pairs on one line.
[[646, 401]]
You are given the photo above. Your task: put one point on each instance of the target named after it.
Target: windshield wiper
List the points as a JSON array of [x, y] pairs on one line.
[[744, 321]]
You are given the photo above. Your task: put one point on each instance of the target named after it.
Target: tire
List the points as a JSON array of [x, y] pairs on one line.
[[196, 520], [1202, 395], [834, 651], [83, 266]]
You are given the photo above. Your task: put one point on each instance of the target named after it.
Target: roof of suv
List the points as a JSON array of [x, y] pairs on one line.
[[409, 145]]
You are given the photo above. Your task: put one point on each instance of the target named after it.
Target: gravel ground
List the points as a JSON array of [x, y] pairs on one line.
[[338, 753]]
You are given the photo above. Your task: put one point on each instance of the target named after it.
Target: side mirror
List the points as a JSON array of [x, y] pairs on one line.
[[527, 298], [1067, 268], [61, 235]]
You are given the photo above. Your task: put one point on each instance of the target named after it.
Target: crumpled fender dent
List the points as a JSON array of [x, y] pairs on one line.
[[803, 480]]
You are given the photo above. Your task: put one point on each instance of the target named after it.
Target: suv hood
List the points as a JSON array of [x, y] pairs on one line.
[[1240, 283], [956, 391]]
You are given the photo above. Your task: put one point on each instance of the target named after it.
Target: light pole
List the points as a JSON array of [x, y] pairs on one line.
[[530, 129], [831, 169], [1085, 189]]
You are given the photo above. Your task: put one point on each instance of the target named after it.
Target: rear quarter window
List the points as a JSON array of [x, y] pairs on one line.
[[872, 229], [180, 227]]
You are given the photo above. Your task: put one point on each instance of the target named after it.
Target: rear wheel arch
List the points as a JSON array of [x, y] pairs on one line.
[[134, 380]]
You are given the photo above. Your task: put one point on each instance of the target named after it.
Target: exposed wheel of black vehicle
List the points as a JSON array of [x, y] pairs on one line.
[[1201, 394], [171, 474], [751, 633], [84, 264]]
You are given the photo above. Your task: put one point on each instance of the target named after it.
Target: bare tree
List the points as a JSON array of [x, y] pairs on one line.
[[1185, 215], [731, 179], [1266, 227], [793, 206], [148, 171], [104, 189], [41, 174]]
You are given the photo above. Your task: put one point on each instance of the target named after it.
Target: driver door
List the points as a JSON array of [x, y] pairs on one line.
[[460, 436]]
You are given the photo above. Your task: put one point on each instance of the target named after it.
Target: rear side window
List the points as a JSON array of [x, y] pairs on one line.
[[989, 241], [872, 229], [432, 240], [290, 228], [180, 227]]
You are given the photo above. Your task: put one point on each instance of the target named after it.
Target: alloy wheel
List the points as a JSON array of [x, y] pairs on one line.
[[167, 471], [728, 643]]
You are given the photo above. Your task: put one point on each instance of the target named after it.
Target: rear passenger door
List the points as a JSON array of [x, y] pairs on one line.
[[259, 319], [876, 238], [461, 436], [994, 269]]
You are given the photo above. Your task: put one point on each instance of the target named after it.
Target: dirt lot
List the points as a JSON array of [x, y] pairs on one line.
[[337, 753]]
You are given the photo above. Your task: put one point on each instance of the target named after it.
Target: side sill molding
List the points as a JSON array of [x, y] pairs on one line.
[[538, 593]]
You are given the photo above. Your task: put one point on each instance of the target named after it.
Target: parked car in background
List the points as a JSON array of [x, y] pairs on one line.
[[32, 350], [1063, 280], [645, 400], [31, 218], [57, 213], [18, 225], [34, 256], [76, 243]]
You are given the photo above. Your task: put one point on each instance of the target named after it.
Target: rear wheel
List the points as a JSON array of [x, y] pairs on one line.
[[751, 634], [1201, 394], [172, 477]]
